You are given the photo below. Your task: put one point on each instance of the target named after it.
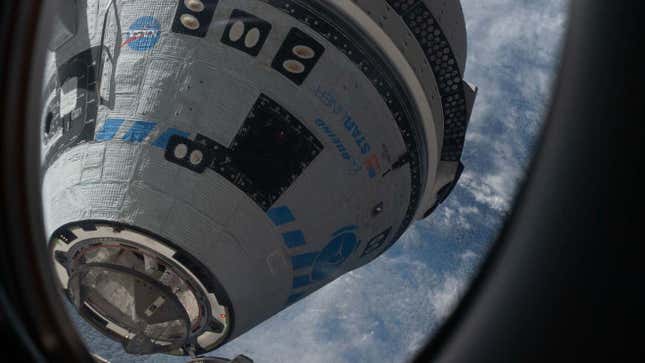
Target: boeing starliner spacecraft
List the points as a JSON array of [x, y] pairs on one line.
[[207, 163]]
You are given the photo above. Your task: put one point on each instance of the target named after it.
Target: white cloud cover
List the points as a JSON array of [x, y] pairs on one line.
[[384, 311], [513, 48]]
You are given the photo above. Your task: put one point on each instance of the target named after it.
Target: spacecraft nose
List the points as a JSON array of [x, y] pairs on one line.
[[137, 289], [208, 163], [151, 313]]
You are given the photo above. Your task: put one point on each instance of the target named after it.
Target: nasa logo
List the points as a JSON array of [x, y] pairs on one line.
[[143, 34], [344, 242]]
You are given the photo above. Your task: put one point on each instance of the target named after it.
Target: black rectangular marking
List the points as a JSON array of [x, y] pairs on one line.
[[189, 154], [246, 32], [88, 226], [66, 236], [267, 155], [297, 56], [273, 148], [205, 17]]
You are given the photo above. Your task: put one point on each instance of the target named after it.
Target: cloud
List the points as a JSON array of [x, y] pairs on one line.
[[492, 189], [513, 51], [446, 296]]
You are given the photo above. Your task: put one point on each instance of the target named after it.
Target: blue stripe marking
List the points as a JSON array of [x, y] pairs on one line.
[[304, 260], [300, 281], [294, 239], [109, 130], [162, 141], [281, 215], [295, 297], [139, 131]]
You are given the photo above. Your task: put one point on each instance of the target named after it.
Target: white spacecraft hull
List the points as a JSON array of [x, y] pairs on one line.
[[278, 144]]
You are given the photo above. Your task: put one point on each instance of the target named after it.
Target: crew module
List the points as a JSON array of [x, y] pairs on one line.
[[207, 163]]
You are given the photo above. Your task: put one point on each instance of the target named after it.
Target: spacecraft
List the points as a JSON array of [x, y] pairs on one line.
[[207, 163]]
